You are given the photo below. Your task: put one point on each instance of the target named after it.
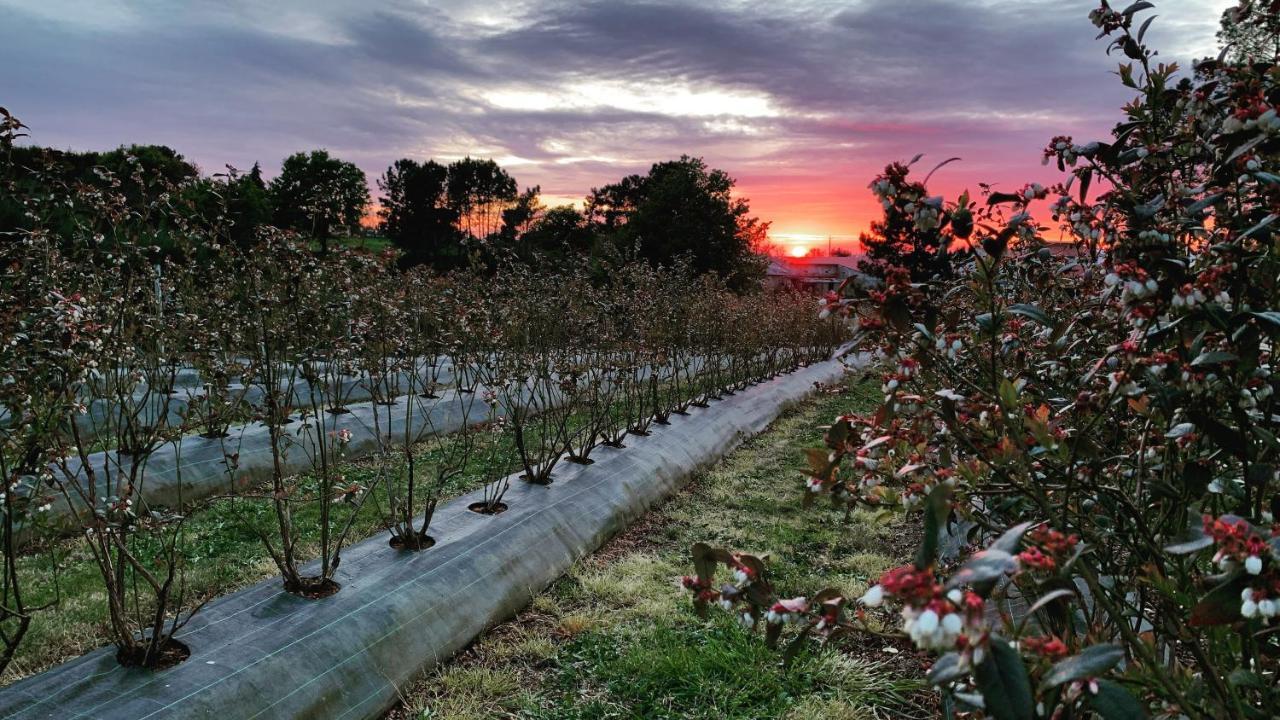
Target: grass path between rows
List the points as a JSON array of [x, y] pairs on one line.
[[617, 638]]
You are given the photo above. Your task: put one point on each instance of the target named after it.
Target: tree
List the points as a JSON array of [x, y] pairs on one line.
[[479, 191], [316, 193], [682, 209], [559, 234], [522, 214], [913, 233], [416, 214], [433, 212], [238, 204], [1251, 31]]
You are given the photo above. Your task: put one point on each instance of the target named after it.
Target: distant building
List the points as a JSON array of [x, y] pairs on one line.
[[814, 274]]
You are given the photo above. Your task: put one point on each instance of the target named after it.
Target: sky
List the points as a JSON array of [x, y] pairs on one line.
[[802, 101]]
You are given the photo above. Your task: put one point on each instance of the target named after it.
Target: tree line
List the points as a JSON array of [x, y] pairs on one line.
[[447, 215]]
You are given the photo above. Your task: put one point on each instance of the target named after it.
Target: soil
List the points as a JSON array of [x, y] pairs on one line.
[[487, 509], [313, 588], [170, 653], [424, 541]]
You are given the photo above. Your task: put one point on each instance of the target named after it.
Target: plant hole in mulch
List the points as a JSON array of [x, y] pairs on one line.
[[579, 460], [542, 481], [312, 588], [424, 541], [215, 435], [484, 508], [428, 396], [615, 444], [338, 411], [171, 653]]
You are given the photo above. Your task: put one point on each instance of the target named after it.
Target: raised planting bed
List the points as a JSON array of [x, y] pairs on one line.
[[194, 467], [263, 653]]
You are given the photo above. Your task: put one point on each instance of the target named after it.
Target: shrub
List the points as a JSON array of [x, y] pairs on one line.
[[1101, 424]]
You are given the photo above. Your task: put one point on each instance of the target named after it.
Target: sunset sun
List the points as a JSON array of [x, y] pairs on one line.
[[798, 251]]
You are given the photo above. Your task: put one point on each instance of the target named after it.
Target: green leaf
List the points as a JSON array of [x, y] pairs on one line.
[[1010, 539], [1244, 678], [982, 569], [1262, 224], [1195, 541], [1002, 679], [1044, 600], [936, 507], [1113, 702], [1031, 312], [1266, 436], [1270, 316], [1213, 357], [1244, 148], [1203, 203], [1091, 662], [1008, 395], [948, 667]]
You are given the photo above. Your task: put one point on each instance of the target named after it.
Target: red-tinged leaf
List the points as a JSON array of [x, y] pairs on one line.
[[907, 469], [877, 442]]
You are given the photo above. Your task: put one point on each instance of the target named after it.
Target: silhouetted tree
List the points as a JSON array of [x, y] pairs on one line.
[[479, 191], [316, 193], [903, 239], [416, 214], [522, 214], [682, 209], [559, 234]]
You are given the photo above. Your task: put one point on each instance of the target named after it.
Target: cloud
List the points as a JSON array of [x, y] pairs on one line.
[[803, 101]]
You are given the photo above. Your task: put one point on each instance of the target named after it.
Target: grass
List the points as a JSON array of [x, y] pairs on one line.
[[617, 638]]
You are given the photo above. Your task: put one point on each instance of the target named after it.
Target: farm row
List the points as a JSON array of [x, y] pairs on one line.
[[140, 382]]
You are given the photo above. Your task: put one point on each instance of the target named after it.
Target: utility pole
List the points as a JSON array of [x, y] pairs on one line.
[[828, 246]]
